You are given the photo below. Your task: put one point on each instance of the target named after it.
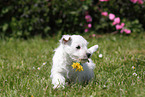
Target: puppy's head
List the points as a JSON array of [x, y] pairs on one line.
[[75, 46]]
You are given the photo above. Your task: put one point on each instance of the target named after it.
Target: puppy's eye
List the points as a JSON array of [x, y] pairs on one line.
[[78, 47]]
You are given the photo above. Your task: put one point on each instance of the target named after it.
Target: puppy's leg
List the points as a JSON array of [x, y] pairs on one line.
[[93, 49], [58, 80]]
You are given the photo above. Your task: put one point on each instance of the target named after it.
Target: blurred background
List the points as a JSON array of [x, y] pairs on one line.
[[28, 18]]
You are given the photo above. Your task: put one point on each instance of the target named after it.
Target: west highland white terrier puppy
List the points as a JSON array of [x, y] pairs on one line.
[[73, 48]]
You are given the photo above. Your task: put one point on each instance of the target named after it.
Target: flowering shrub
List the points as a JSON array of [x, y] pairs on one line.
[[116, 23], [124, 12], [116, 20], [26, 18]]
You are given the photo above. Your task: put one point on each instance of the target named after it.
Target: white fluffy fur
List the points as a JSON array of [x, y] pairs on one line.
[[64, 57]]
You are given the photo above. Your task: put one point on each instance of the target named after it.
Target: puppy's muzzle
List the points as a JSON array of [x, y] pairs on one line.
[[88, 55]]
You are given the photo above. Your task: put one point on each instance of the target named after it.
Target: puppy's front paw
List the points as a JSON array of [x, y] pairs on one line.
[[96, 46], [93, 49]]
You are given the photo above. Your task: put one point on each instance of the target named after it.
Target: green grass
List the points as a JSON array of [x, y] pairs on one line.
[[19, 60]]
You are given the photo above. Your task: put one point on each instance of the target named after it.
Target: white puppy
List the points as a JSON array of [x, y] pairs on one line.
[[73, 48]]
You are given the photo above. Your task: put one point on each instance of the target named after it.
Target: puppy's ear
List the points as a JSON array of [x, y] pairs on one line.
[[65, 39]]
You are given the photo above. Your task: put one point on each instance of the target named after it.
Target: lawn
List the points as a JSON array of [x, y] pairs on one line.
[[25, 68]]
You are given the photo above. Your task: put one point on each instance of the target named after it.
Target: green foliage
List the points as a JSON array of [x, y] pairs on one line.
[[20, 60], [26, 18], [135, 26]]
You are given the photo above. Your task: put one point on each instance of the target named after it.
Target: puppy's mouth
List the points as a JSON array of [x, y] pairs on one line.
[[81, 60], [84, 60]]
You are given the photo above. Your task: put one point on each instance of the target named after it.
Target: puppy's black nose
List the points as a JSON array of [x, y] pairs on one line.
[[88, 55]]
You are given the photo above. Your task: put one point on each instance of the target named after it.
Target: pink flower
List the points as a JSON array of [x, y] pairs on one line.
[[89, 25], [122, 31], [133, 1], [116, 21], [118, 27], [88, 18], [122, 24], [140, 1], [94, 35], [104, 14], [111, 16], [127, 31], [103, 0], [86, 30]]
